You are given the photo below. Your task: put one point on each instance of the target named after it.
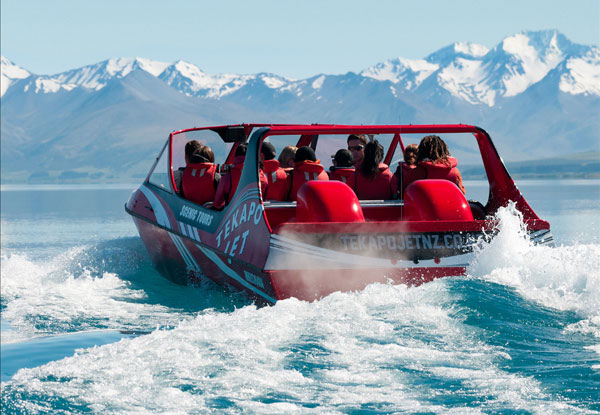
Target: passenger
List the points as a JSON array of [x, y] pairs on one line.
[[200, 178], [190, 147], [229, 182], [404, 168], [343, 167], [286, 158], [356, 145], [373, 178], [276, 176], [434, 162], [306, 168]]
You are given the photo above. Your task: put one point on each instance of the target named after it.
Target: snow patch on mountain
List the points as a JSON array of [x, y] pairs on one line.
[[10, 73], [410, 73], [48, 85], [471, 49], [466, 79], [96, 76], [189, 79], [529, 67], [273, 82], [318, 83], [583, 76]]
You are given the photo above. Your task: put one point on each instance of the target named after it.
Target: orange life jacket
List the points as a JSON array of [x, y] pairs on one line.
[[343, 174], [427, 169], [376, 188], [198, 182], [303, 172], [276, 177]]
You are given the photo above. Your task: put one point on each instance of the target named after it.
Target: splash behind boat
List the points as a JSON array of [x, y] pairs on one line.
[[328, 240]]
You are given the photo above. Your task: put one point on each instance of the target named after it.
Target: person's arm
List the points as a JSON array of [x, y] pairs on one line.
[[459, 182], [264, 182]]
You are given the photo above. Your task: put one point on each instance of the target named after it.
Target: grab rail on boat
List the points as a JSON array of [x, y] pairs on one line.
[[273, 204]]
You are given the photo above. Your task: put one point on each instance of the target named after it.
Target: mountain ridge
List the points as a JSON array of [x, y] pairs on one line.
[[536, 92]]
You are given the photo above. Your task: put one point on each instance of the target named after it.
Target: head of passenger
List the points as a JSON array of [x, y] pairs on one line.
[[241, 150], [267, 151], [410, 154], [356, 145], [343, 158], [203, 155], [191, 147], [434, 149], [286, 158], [305, 154], [373, 156]]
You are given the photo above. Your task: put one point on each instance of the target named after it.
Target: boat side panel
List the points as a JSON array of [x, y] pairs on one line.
[[184, 239], [184, 261]]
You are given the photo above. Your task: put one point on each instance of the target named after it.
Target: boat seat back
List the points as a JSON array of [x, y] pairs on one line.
[[327, 201], [433, 199]]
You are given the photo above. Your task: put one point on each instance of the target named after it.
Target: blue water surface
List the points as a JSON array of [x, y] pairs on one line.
[[89, 326]]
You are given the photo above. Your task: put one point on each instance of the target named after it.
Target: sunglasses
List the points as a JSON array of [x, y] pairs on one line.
[[355, 148]]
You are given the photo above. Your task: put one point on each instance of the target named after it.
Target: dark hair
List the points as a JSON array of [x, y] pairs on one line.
[[432, 147], [305, 153], [268, 150], [373, 156], [360, 137], [343, 158], [203, 155], [410, 154], [241, 149], [191, 147]]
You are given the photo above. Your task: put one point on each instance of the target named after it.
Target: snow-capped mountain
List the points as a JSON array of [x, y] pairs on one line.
[[467, 71], [535, 83], [10, 74]]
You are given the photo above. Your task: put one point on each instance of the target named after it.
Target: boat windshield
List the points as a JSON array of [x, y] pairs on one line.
[[206, 137], [159, 175]]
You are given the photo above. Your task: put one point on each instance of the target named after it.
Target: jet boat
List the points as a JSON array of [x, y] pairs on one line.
[[327, 240]]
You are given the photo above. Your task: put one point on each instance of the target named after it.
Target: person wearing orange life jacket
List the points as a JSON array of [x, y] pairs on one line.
[[276, 176], [356, 145], [404, 169], [200, 178], [286, 158], [343, 167], [306, 168], [373, 178], [229, 182], [434, 162], [190, 148]]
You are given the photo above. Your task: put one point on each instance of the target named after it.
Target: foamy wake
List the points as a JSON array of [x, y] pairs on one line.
[[565, 278], [387, 348], [63, 295]]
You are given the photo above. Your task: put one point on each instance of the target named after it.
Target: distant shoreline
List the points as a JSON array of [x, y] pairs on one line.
[[83, 185], [578, 166]]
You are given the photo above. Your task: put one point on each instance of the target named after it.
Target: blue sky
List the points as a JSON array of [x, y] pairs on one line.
[[291, 38]]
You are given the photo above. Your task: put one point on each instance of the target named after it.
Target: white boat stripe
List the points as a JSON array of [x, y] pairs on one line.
[[230, 272], [163, 220], [157, 207], [196, 234]]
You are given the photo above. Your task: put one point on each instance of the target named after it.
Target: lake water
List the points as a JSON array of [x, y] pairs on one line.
[[88, 325]]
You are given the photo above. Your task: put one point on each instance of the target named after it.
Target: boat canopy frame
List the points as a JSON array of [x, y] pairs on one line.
[[502, 188]]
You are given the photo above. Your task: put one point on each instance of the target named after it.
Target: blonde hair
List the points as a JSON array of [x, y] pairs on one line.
[[286, 156]]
